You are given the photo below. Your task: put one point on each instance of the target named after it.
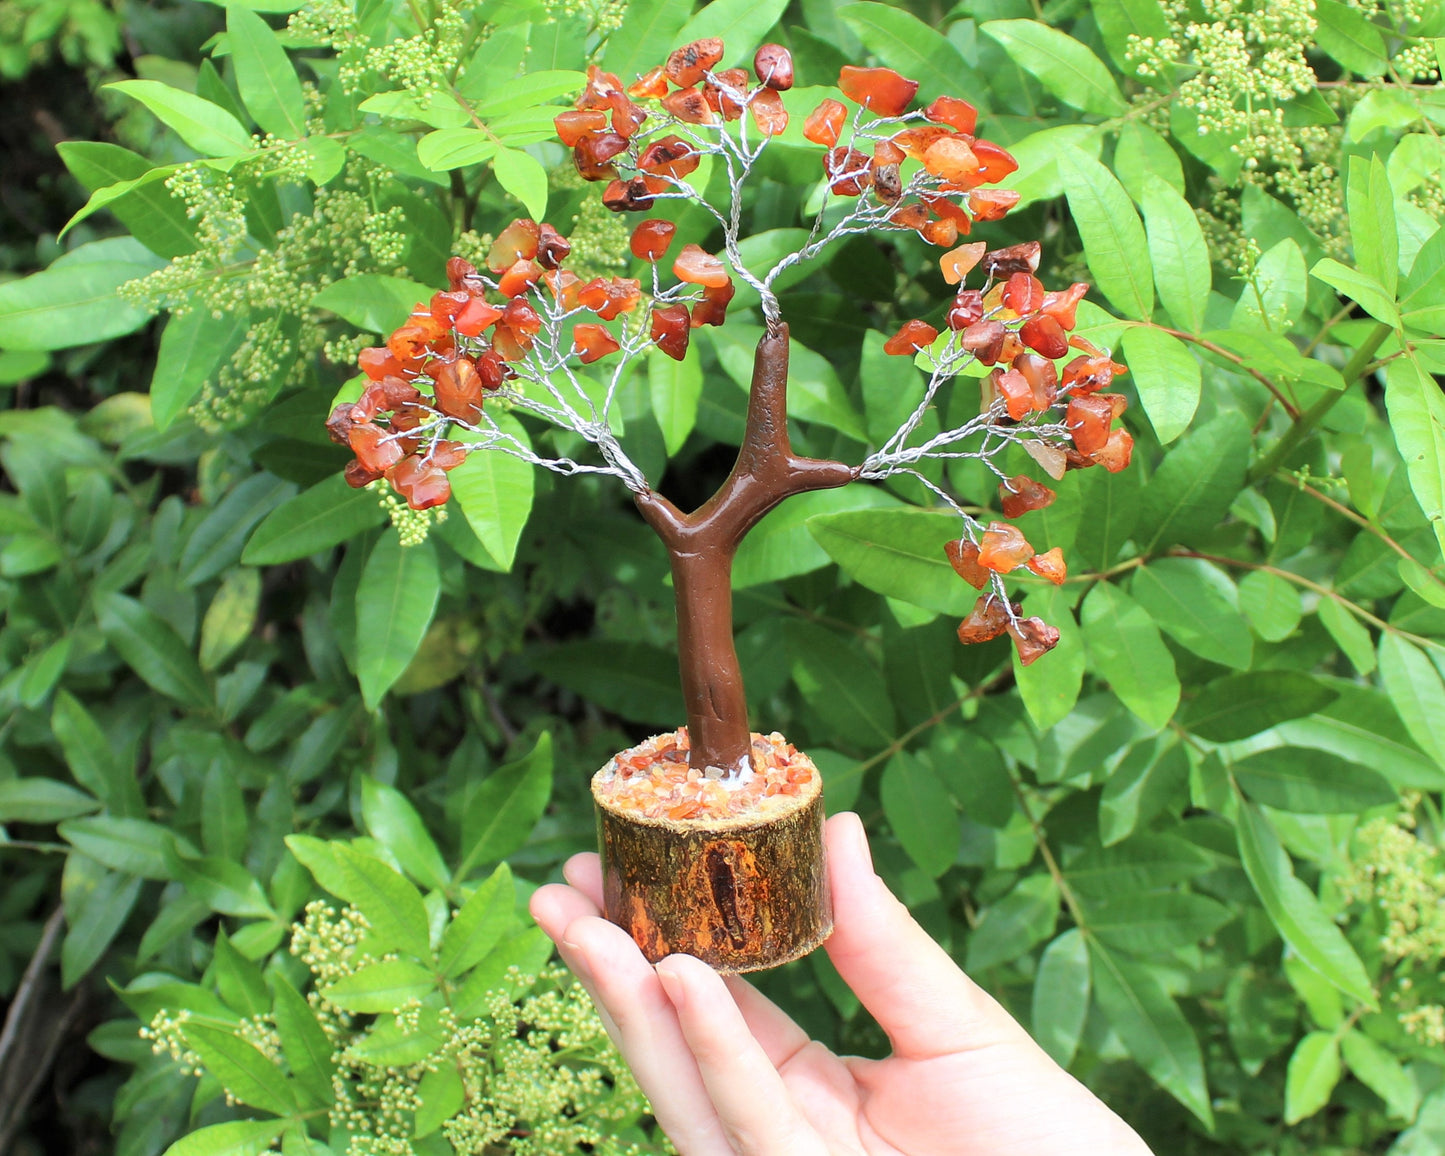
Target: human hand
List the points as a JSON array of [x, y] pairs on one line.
[[728, 1072]]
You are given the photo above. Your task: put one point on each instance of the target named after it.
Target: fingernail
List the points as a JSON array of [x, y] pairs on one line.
[[860, 841], [672, 985], [576, 959]]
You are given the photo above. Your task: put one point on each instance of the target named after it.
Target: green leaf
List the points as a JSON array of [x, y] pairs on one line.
[[1311, 782], [1196, 604], [1155, 923], [1114, 241], [740, 24], [381, 987], [1416, 691], [1349, 634], [1167, 377], [479, 925], [395, 601], [221, 884], [1359, 287], [216, 543], [1314, 1069], [814, 392], [631, 679], [1196, 483], [455, 148], [1025, 916], [308, 1050], [155, 217], [494, 490], [1271, 604], [236, 1138], [1294, 909], [442, 1095], [1050, 688], [1143, 784], [1061, 996], [1373, 231], [533, 89], [1142, 863], [503, 810], [242, 1068], [845, 689], [1068, 69], [1417, 417], [207, 128], [1141, 155], [89, 755], [42, 801], [192, 346], [150, 646], [268, 82], [650, 30], [372, 301], [94, 915], [74, 302], [1348, 35], [898, 553], [1127, 652], [1373, 1065], [675, 388], [782, 545], [522, 175], [909, 46], [391, 905], [1274, 293], [1178, 253], [393, 822], [1240, 705], [920, 813], [230, 617], [327, 514], [1152, 1028], [1037, 177]]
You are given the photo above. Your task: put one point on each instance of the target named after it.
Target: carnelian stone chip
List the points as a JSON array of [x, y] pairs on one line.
[[1088, 419], [713, 308], [1034, 638], [459, 270], [576, 123], [949, 110], [847, 170], [520, 277], [1061, 306], [880, 90], [1042, 377], [445, 306], [1117, 451], [520, 317], [726, 92], [652, 83], [671, 330], [997, 162], [357, 475], [951, 158], [689, 106], [1050, 565], [1020, 258], [768, 112], [552, 248], [696, 266], [516, 241], [1023, 293], [378, 361], [942, 232], [592, 342], [887, 182], [774, 65], [910, 338], [1003, 548], [651, 238], [474, 317], [984, 339], [986, 621], [963, 557], [1043, 334], [956, 264], [373, 449], [687, 64], [991, 204], [824, 124], [1013, 387], [1021, 493], [422, 483], [459, 390]]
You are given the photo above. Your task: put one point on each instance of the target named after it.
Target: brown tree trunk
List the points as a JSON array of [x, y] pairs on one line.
[[712, 681]]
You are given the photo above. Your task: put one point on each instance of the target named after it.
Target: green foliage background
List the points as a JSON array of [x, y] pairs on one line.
[[258, 741]]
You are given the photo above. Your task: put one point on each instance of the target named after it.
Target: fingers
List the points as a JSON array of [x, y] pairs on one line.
[[781, 1039], [918, 995], [642, 1023], [555, 906], [584, 872], [748, 1094]]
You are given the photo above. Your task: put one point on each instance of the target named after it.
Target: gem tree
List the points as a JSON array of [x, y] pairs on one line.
[[518, 334]]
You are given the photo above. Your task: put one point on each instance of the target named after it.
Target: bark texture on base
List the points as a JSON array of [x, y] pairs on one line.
[[739, 894]]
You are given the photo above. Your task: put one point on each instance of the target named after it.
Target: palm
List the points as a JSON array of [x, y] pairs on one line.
[[728, 1071]]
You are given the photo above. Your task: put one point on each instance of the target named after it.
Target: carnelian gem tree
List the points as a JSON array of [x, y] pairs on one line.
[[522, 333]]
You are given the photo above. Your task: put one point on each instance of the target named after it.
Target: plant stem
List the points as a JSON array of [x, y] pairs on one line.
[[1306, 422]]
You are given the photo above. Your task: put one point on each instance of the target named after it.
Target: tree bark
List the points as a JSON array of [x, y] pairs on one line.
[[701, 546]]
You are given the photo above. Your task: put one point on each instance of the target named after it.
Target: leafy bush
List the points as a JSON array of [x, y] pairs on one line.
[[1197, 848]]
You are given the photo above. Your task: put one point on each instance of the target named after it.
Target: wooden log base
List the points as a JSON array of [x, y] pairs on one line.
[[742, 891]]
